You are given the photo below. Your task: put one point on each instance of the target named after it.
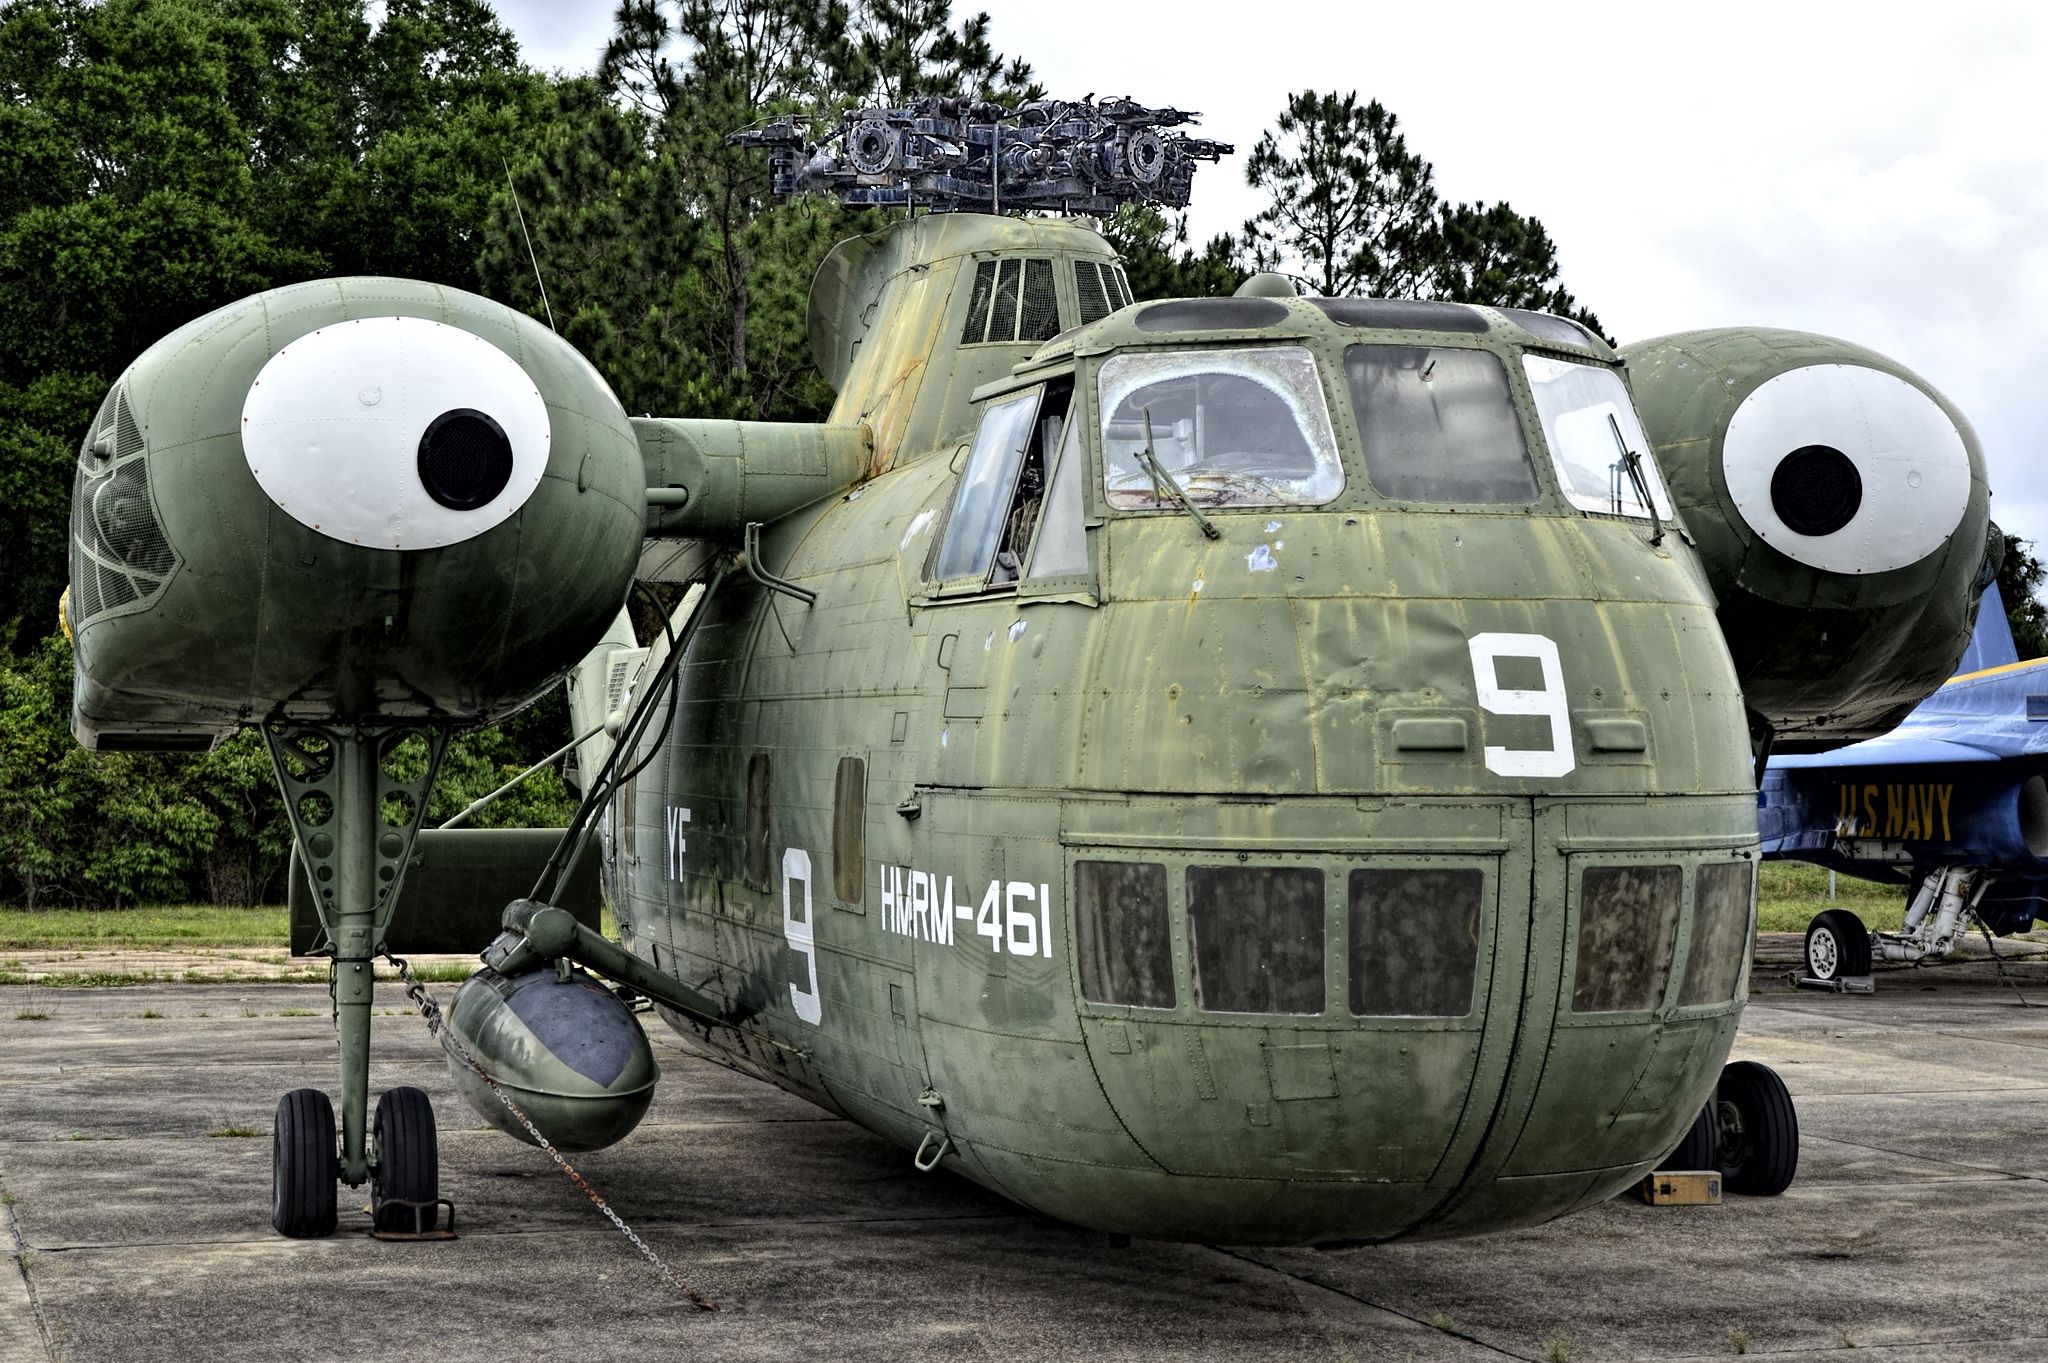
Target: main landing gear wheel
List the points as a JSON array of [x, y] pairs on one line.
[[406, 1181], [1837, 945], [303, 1166], [1758, 1130], [1701, 1148]]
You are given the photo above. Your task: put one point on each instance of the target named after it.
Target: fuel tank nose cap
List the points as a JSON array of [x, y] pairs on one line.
[[395, 433]]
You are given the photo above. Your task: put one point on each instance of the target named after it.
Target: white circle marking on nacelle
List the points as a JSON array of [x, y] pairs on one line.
[[1912, 460], [331, 429]]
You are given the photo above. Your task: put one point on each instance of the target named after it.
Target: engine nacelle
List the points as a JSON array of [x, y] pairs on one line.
[[355, 500], [1839, 501], [569, 1053]]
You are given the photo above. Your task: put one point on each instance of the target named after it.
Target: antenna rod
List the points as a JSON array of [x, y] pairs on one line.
[[514, 192]]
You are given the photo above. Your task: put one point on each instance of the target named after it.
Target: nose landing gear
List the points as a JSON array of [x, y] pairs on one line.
[[356, 797]]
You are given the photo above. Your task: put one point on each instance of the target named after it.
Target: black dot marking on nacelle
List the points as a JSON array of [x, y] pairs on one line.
[[465, 459], [1816, 490]]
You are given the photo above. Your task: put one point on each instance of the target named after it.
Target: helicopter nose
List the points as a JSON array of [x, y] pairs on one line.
[[395, 433]]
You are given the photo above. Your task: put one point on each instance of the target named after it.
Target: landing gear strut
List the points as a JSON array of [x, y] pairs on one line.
[[1839, 949], [356, 796]]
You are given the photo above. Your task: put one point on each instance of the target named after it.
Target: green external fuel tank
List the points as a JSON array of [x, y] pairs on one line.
[[354, 499], [1840, 506]]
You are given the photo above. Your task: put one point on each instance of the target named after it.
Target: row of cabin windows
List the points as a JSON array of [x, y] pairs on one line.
[[1256, 933], [1014, 300], [1256, 937], [1249, 427]]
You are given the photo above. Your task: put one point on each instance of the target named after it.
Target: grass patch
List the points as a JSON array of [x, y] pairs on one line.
[[96, 979], [1790, 893], [31, 1015], [169, 927], [234, 1131]]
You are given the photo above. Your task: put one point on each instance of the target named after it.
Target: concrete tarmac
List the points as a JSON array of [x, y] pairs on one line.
[[135, 1168]]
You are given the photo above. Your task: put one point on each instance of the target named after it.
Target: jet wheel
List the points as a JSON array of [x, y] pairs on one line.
[[1701, 1147], [1837, 945], [1758, 1130], [406, 1180], [304, 1166]]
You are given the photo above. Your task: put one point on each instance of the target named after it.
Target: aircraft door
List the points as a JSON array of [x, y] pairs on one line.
[[1287, 1014], [1617, 1024]]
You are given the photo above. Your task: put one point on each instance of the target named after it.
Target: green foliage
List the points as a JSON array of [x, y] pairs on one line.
[[1159, 262], [664, 257], [2019, 585], [1348, 201], [1354, 211]]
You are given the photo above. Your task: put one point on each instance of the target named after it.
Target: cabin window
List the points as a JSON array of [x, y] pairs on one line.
[[1125, 936], [1439, 425], [1589, 421], [1255, 938], [1719, 943], [1628, 923], [1414, 940], [984, 494], [1062, 547], [1232, 427], [849, 829], [1100, 288], [757, 821], [1002, 492], [1011, 300]]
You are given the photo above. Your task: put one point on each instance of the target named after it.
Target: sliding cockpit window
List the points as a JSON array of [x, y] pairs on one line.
[[1239, 427]]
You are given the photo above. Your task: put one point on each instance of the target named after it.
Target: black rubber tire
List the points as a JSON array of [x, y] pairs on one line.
[[304, 1166], [408, 1162], [1758, 1130], [1837, 944], [1701, 1147]]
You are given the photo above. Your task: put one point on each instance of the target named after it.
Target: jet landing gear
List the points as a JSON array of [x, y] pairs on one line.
[[356, 796], [1839, 949], [1748, 1130]]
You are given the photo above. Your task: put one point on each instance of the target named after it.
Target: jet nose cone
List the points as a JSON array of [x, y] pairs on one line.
[[395, 433]]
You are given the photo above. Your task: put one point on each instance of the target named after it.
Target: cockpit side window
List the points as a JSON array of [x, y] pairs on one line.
[[1002, 491], [1062, 546], [1243, 427], [1439, 425], [1591, 424]]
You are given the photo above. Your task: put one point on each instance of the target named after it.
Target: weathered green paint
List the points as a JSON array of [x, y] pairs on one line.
[[734, 472], [1175, 706]]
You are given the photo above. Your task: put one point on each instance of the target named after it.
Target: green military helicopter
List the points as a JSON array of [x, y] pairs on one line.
[[1254, 769]]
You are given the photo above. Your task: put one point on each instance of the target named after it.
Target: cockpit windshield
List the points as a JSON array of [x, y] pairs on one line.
[[1232, 427], [1591, 426]]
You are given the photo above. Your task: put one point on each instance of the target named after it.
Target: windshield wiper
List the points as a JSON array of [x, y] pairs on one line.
[[1633, 462], [1163, 484]]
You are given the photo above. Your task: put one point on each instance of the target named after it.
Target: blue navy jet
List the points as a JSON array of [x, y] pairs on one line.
[[1953, 803]]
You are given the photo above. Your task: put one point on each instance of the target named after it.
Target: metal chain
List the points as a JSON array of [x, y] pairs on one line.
[[1999, 962], [436, 1026]]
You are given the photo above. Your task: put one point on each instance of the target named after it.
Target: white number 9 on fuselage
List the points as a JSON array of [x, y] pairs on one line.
[[1549, 703]]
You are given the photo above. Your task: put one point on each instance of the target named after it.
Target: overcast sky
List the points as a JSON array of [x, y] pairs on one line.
[[1878, 173]]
